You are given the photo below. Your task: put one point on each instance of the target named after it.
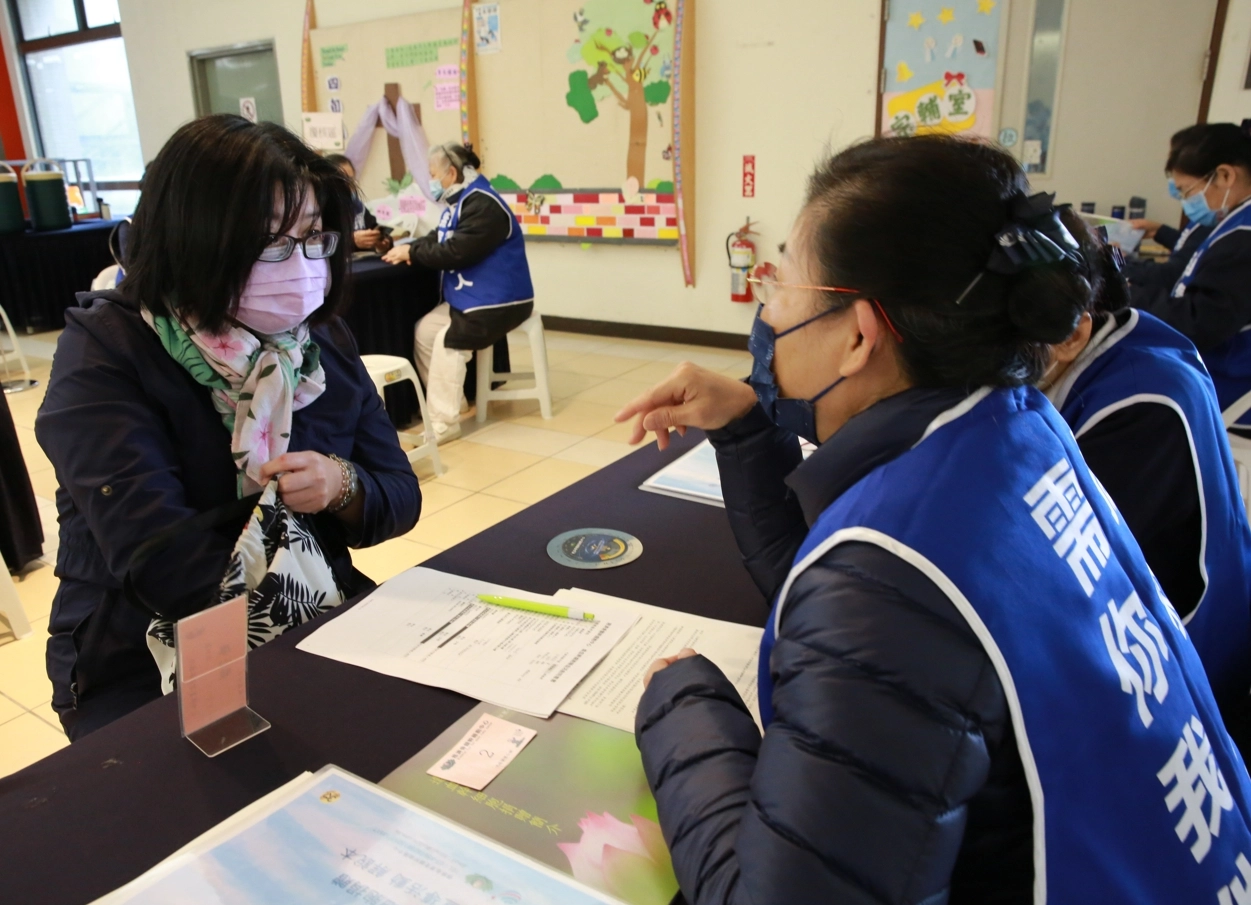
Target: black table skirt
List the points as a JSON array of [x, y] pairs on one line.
[[41, 271], [97, 814], [387, 301], [21, 533]]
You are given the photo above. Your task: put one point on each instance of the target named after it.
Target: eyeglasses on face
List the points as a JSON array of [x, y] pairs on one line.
[[767, 287], [314, 246]]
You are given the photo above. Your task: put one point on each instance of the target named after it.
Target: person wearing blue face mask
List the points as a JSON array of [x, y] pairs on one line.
[[485, 289], [954, 676], [1146, 276], [1210, 302]]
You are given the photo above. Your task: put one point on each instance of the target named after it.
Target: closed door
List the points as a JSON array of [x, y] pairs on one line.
[[1094, 88], [237, 80]]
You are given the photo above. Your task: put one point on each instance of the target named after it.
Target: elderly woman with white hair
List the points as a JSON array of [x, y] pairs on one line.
[[485, 289]]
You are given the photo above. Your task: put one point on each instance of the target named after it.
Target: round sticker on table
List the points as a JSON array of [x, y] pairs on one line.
[[594, 548]]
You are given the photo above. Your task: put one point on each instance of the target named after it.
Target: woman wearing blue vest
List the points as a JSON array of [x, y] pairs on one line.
[[971, 688], [1210, 303], [485, 289], [1145, 415], [1147, 277]]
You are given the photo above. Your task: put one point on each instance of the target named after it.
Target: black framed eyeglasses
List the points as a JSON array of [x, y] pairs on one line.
[[315, 246]]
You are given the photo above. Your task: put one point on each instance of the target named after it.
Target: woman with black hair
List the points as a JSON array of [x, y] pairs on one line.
[[1146, 277], [1210, 303], [219, 366], [971, 687], [485, 290], [1146, 418], [365, 233]]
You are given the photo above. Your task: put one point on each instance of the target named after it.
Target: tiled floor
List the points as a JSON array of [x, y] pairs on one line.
[[495, 470]]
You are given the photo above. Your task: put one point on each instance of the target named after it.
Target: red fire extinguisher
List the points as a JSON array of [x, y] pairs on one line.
[[741, 252]]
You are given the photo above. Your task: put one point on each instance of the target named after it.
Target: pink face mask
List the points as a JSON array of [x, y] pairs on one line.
[[280, 296]]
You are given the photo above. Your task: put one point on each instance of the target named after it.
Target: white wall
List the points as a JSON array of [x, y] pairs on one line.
[[1112, 121], [1231, 103], [780, 81]]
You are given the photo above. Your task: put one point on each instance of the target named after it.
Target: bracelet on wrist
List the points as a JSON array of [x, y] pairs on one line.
[[350, 485]]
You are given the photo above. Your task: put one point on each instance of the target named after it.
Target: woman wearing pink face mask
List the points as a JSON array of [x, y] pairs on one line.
[[219, 366]]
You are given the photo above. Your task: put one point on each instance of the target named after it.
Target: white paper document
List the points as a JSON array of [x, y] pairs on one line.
[[429, 627], [610, 694], [694, 476]]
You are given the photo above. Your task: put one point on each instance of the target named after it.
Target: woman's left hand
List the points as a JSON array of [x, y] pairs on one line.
[[663, 662], [310, 481]]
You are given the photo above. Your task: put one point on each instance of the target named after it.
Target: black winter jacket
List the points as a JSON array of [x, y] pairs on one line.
[[890, 773]]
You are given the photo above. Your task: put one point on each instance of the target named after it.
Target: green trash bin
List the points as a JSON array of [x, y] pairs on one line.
[[12, 220], [45, 195]]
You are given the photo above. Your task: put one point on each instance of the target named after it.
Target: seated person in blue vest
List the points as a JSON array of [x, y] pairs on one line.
[[1210, 303], [1147, 276], [485, 290], [1145, 415], [971, 688], [365, 233], [220, 364]]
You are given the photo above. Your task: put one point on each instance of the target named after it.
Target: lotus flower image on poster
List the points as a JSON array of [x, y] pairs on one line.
[[575, 798]]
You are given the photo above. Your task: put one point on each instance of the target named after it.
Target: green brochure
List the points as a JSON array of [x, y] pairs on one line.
[[574, 798]]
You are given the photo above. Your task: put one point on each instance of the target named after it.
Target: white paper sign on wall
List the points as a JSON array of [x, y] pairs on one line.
[[247, 108], [1031, 152], [324, 131]]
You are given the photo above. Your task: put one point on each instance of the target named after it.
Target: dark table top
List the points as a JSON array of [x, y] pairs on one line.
[[99, 813], [85, 226]]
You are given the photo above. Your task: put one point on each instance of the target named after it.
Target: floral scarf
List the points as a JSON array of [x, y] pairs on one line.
[[257, 382]]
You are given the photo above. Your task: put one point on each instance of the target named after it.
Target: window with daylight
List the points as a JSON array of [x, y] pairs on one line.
[[78, 83]]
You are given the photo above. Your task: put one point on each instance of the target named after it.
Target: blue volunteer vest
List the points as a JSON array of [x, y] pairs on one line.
[[1147, 361], [502, 277], [1230, 362], [1138, 793]]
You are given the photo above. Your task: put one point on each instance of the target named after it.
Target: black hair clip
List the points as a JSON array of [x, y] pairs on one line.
[[1114, 251], [1034, 236]]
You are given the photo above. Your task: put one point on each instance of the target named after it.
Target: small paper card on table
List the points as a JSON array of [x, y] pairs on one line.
[[213, 677], [483, 752]]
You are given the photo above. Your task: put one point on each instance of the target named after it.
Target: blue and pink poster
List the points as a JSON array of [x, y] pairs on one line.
[[941, 60]]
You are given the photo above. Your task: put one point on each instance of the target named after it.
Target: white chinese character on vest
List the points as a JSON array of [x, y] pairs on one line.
[[1195, 777], [1066, 517], [1137, 650]]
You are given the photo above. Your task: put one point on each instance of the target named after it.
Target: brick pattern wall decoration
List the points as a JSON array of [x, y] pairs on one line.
[[596, 216]]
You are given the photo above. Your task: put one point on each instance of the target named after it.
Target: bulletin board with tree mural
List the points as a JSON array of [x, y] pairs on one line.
[[942, 67], [577, 117]]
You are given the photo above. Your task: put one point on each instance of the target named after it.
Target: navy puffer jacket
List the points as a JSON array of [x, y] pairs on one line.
[[890, 773]]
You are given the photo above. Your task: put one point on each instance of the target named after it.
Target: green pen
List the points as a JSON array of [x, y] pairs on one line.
[[532, 606]]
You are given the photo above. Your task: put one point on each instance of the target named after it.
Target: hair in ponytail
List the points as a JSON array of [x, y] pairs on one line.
[[458, 157], [1198, 150], [914, 223]]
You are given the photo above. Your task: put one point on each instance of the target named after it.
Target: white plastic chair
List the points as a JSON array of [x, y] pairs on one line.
[[106, 278], [11, 608], [11, 385], [1241, 448], [533, 330], [385, 370]]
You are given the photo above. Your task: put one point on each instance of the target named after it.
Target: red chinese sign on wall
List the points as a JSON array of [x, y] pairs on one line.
[[749, 175]]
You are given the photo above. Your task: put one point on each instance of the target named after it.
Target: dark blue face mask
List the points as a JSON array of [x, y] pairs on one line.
[[798, 416]]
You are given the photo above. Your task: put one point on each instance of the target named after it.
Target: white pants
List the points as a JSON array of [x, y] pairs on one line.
[[442, 370]]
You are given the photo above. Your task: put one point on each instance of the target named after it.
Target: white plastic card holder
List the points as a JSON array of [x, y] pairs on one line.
[[212, 678]]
